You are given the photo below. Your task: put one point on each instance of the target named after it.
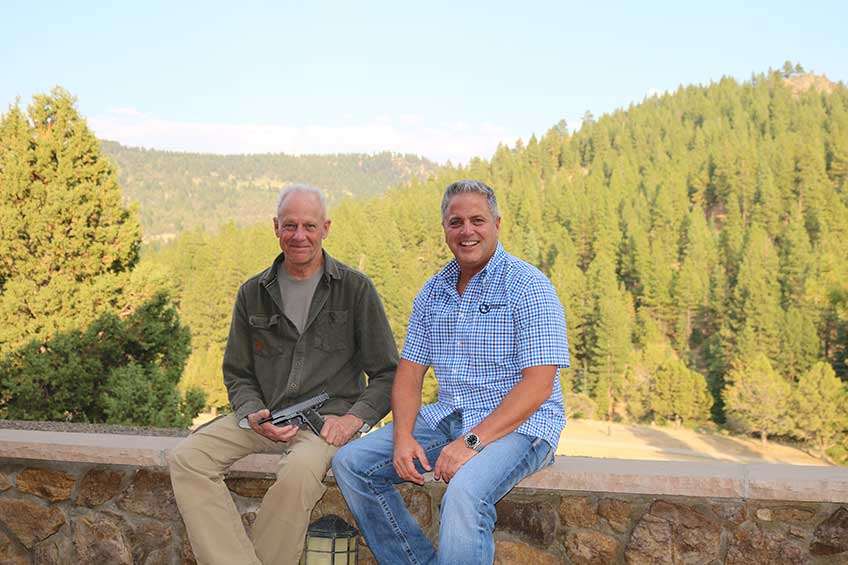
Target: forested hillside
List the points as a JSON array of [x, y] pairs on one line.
[[180, 191], [697, 241]]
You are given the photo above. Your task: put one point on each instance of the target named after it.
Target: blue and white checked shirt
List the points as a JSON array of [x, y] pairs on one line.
[[507, 319]]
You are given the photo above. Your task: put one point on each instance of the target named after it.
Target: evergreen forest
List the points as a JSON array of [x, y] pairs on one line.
[[696, 240]]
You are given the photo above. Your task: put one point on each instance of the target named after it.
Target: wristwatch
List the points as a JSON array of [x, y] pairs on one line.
[[472, 441]]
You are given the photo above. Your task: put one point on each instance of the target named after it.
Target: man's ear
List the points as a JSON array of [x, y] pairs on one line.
[[276, 227], [326, 228]]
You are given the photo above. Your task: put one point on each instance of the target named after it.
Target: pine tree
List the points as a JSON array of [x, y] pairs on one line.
[[609, 338], [67, 237], [756, 297], [679, 394], [799, 344], [820, 407], [795, 261], [756, 398]]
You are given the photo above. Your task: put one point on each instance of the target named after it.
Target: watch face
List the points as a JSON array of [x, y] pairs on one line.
[[471, 441]]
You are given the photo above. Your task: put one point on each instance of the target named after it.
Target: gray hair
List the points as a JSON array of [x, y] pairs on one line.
[[470, 187], [302, 189]]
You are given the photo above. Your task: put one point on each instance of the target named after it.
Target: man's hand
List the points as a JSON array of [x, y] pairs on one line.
[[338, 430], [406, 450], [453, 456], [269, 430]]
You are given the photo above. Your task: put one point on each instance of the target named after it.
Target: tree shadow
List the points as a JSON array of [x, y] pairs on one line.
[[661, 440], [736, 449]]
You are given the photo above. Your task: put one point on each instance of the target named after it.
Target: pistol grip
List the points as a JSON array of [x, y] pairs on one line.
[[314, 420]]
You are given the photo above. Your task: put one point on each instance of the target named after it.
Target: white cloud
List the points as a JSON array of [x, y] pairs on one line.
[[457, 141]]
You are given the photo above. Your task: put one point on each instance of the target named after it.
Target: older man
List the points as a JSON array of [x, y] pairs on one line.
[[305, 326], [494, 331]]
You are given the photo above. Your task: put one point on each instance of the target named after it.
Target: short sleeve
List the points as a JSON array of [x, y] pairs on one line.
[[417, 346], [540, 325]]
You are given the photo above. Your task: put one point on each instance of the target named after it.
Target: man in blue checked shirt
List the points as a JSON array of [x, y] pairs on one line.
[[493, 330]]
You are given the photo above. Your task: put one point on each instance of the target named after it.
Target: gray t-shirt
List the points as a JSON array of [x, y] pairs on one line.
[[297, 295]]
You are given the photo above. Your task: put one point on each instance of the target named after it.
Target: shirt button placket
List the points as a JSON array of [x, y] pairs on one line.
[[297, 367]]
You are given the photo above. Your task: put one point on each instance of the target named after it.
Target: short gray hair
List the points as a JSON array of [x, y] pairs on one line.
[[302, 189], [466, 186]]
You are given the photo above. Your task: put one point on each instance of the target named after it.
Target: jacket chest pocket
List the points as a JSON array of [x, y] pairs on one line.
[[331, 330], [265, 335]]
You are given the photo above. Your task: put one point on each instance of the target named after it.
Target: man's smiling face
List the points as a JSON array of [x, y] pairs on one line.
[[471, 231]]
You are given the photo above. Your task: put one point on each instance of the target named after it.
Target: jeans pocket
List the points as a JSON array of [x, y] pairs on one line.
[[545, 453]]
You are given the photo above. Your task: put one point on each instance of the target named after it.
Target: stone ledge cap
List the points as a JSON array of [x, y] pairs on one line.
[[673, 478]]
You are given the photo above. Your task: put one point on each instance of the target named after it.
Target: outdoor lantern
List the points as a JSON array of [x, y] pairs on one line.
[[330, 541]]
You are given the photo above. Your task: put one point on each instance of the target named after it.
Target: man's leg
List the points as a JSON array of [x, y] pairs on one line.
[[197, 467], [468, 507], [283, 518], [364, 472]]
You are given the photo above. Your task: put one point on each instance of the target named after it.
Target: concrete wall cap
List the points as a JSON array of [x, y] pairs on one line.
[[673, 478]]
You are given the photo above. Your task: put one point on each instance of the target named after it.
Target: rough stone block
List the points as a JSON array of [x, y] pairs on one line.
[[332, 503], [186, 554], [147, 540], [160, 556], [251, 488], [150, 494], [418, 503], [754, 544], [4, 483], [30, 522], [587, 547], [365, 556], [674, 533], [650, 542], [793, 514], [248, 519], [98, 540], [415, 498], [731, 511], [46, 553], [10, 553], [535, 521], [615, 512], [510, 552], [578, 511], [99, 486], [45, 483], [763, 514], [831, 536]]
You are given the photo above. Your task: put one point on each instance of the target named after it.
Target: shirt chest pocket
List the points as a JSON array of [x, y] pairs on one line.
[[265, 335], [494, 335], [332, 330]]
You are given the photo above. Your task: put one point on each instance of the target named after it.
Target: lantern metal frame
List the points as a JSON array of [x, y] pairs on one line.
[[334, 529]]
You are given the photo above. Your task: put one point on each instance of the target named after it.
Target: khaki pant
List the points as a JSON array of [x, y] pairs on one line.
[[214, 525]]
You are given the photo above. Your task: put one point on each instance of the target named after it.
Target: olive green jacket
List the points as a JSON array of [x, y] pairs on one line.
[[269, 364]]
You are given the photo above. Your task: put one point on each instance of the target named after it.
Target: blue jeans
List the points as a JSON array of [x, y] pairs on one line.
[[364, 472]]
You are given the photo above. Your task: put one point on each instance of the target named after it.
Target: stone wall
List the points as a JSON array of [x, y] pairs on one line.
[[75, 506]]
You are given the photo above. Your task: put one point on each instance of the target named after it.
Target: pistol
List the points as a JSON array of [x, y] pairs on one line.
[[301, 414]]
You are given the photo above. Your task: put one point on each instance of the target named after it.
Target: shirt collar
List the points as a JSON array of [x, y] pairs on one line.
[[331, 268], [450, 273]]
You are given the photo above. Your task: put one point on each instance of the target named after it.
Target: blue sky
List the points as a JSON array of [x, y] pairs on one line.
[[448, 80]]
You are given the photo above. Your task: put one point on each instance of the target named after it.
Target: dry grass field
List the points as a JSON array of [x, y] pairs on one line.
[[592, 438]]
